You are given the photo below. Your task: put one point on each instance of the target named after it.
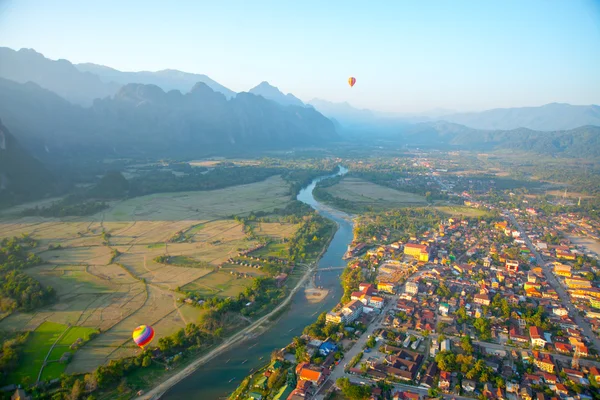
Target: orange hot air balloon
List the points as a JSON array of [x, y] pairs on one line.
[[351, 81]]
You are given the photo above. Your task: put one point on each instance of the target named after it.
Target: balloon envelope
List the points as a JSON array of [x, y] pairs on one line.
[[351, 81], [143, 335]]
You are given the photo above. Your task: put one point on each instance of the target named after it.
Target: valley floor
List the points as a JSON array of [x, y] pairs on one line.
[[104, 271]]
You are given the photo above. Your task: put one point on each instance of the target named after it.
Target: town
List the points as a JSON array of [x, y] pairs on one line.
[[501, 304]]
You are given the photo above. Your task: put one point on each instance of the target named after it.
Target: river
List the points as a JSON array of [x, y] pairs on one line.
[[220, 376]]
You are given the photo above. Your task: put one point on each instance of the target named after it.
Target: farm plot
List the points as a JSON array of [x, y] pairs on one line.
[[69, 279], [159, 305], [99, 255], [204, 205], [271, 250], [116, 297], [52, 231], [141, 264], [99, 298], [145, 232], [221, 284], [37, 346], [276, 230], [367, 193], [217, 231], [75, 335]]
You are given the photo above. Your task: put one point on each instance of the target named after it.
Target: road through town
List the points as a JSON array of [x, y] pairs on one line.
[[562, 294], [338, 371]]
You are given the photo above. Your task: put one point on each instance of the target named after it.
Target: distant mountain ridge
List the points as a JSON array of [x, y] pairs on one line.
[[144, 119], [22, 177], [342, 112], [59, 76], [56, 108], [83, 83], [549, 117], [267, 91], [168, 79], [581, 142]]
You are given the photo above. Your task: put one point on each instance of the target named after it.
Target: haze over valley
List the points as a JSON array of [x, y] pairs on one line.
[[307, 201]]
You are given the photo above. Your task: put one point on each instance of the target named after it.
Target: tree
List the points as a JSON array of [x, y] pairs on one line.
[[146, 361], [466, 345], [371, 342], [273, 379], [67, 381], [26, 381], [500, 382], [178, 337], [446, 360], [91, 382], [122, 388], [353, 392], [364, 367], [484, 327], [506, 310], [76, 391], [165, 343], [301, 354]]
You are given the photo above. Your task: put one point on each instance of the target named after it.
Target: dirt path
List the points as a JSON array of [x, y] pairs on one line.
[[161, 389], [50, 351]]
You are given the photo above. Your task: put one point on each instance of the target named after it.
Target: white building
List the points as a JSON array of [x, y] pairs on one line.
[[376, 301], [445, 345], [411, 287], [351, 311], [537, 337], [435, 347], [348, 314], [560, 311]]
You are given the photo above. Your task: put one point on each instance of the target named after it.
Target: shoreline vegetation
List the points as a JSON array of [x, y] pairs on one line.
[[131, 373], [242, 335]]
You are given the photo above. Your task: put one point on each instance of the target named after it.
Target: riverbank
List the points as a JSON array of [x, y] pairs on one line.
[[220, 377], [244, 334], [161, 389]]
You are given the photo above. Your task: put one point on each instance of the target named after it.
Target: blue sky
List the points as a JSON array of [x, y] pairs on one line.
[[407, 56]]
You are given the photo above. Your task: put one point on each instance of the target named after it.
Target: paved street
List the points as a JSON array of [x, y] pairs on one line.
[[562, 294], [338, 371]]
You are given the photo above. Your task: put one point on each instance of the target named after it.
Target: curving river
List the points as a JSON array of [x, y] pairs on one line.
[[220, 376]]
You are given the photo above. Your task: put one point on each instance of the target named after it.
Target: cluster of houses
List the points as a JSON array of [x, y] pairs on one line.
[[564, 259], [365, 300], [398, 363], [476, 264], [465, 270], [302, 379]]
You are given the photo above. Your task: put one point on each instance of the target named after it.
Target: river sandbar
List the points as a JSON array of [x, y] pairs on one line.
[[314, 295]]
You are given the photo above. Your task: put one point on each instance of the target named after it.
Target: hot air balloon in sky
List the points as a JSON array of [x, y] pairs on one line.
[[143, 335], [351, 81]]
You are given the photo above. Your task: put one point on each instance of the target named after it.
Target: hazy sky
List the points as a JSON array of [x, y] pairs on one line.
[[406, 55]]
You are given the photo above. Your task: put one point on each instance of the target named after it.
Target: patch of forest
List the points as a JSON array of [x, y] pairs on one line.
[[19, 291]]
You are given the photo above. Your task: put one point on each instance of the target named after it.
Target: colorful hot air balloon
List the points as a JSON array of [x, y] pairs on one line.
[[351, 81], [143, 335]]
